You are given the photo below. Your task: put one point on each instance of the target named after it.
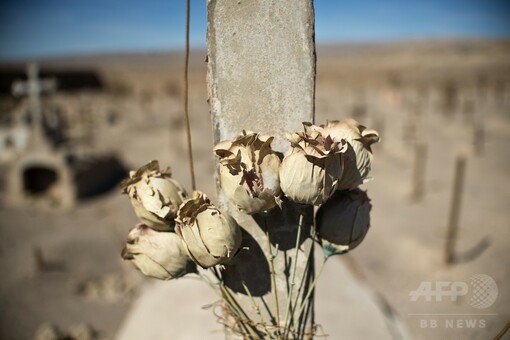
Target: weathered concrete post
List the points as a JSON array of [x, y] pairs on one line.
[[261, 77]]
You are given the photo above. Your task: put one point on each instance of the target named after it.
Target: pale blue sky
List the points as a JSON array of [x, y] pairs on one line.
[[36, 28]]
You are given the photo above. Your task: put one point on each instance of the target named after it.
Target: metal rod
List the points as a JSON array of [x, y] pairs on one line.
[[186, 95]]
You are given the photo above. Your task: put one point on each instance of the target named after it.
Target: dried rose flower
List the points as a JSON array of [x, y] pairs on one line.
[[159, 254], [343, 221], [210, 236], [154, 195], [311, 169], [249, 172], [358, 157]]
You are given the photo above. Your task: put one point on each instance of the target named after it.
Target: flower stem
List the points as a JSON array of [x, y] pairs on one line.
[[273, 277], [257, 308], [238, 311], [311, 289], [305, 275], [292, 282], [239, 315]]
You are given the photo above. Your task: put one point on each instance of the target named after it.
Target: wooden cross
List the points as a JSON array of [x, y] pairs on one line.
[[34, 87]]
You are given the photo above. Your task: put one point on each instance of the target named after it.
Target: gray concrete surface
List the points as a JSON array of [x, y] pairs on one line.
[[346, 308], [261, 67]]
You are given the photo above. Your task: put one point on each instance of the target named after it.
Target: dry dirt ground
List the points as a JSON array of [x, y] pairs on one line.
[[64, 267]]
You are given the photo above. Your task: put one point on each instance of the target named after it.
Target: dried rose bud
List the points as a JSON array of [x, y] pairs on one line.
[[249, 172], [155, 195], [159, 254], [358, 157], [343, 221], [311, 169], [210, 236]]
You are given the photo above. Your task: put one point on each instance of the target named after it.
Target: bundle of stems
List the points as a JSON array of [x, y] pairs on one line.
[[299, 300]]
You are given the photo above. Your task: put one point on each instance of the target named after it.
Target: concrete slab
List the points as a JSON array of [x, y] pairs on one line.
[[345, 308], [172, 310]]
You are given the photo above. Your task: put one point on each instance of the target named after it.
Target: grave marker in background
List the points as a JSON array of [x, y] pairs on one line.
[[454, 215], [34, 87]]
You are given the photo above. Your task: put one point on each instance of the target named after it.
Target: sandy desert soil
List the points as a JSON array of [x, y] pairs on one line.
[[63, 267]]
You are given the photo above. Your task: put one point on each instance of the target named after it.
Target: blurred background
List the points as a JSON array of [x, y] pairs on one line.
[[92, 89]]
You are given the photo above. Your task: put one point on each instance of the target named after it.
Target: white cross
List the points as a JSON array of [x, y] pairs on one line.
[[33, 87]]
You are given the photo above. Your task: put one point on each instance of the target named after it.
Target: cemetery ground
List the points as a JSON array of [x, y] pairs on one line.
[[63, 266]]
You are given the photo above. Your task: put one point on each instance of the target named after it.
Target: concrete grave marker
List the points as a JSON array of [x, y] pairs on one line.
[[261, 77]]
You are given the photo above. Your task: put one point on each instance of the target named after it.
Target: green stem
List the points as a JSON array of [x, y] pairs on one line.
[[243, 318], [292, 283], [311, 289], [256, 307], [305, 276], [273, 278], [234, 306]]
